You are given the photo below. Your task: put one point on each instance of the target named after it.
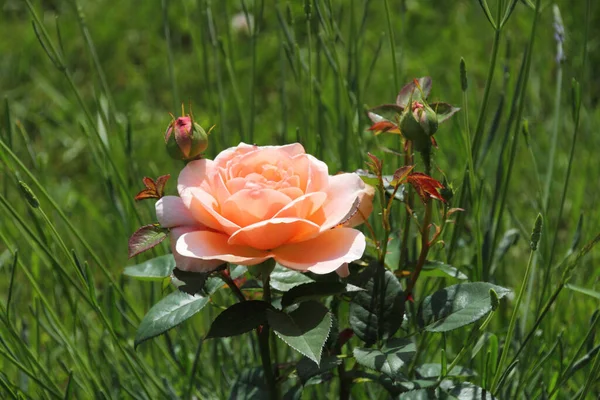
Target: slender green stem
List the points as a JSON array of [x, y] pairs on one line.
[[592, 377], [388, 15], [488, 85], [511, 326], [566, 372], [460, 219], [167, 32], [466, 346], [473, 186], [562, 198], [552, 155]]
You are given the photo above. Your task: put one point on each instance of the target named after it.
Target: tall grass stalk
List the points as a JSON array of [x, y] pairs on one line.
[[535, 237]]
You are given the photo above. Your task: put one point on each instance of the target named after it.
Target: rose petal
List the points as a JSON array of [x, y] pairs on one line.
[[324, 253], [303, 207], [343, 271], [207, 245], [226, 155], [219, 188], [205, 210], [343, 191], [313, 173], [267, 161], [195, 175], [249, 206], [275, 232], [365, 207], [318, 175], [189, 263], [292, 192], [171, 212]]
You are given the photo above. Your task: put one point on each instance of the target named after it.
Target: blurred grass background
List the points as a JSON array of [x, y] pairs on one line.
[[89, 125]]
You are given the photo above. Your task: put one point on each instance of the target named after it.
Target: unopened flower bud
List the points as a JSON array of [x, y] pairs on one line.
[[418, 123], [185, 139]]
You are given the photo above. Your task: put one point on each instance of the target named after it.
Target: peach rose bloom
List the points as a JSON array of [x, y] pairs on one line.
[[253, 203]]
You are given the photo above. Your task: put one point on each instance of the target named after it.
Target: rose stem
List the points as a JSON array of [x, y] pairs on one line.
[[379, 284], [424, 248], [263, 341], [403, 259], [263, 334], [426, 155]]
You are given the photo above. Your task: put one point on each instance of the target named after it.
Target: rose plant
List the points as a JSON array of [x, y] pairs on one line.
[[280, 232]]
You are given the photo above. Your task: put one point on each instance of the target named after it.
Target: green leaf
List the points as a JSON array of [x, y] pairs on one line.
[[146, 238], [435, 370], [390, 359], [171, 311], [443, 270], [314, 291], [402, 384], [294, 393], [468, 391], [456, 306], [443, 111], [193, 282], [365, 306], [305, 329], [250, 385], [420, 394], [155, 269], [283, 279], [583, 290], [367, 177], [307, 370], [239, 318]]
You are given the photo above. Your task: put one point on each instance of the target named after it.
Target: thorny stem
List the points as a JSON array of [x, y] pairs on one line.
[[425, 245], [263, 332], [380, 277], [403, 259], [234, 288], [263, 342]]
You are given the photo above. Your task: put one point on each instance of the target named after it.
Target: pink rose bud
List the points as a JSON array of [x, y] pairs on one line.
[[185, 139]]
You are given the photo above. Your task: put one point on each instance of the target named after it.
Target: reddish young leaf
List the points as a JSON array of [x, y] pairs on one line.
[[154, 190], [425, 186], [453, 210], [146, 194], [401, 174], [383, 127], [146, 238], [376, 165], [161, 181]]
